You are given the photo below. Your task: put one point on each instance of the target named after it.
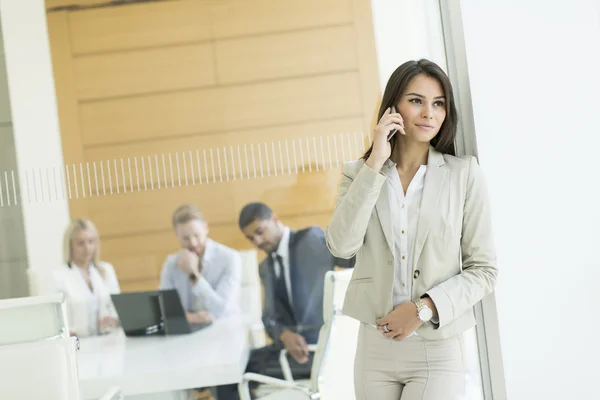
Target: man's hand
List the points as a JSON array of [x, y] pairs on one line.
[[188, 262], [197, 318], [295, 345]]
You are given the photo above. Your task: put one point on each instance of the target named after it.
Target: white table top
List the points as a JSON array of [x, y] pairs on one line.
[[215, 355]]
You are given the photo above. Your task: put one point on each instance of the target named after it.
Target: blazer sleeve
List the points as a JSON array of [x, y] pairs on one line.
[[456, 295], [354, 204]]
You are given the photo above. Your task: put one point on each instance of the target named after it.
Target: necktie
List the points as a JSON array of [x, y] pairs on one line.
[[280, 285]]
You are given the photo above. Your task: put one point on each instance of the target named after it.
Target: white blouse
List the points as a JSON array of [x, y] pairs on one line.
[[85, 306], [405, 219]]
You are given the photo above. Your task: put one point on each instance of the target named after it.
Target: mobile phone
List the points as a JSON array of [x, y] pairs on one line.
[[392, 133]]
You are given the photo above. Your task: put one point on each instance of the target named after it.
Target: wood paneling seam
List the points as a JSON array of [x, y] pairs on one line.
[[221, 85], [218, 132], [215, 39]]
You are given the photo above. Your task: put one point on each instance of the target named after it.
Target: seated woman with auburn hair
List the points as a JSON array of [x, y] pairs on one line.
[[86, 282]]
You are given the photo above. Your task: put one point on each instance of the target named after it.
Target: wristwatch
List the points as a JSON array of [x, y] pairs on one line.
[[423, 312]]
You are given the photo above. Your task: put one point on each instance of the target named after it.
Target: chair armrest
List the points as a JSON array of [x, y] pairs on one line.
[[257, 335], [244, 390], [285, 365], [113, 394]]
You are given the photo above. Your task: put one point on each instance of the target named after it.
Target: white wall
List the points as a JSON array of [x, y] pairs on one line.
[[406, 30], [534, 71], [35, 124]]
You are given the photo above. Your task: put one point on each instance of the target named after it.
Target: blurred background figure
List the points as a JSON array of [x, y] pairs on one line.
[[206, 274], [292, 276], [86, 282]]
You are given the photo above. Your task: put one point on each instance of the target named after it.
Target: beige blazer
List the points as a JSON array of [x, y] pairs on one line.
[[68, 281], [454, 219]]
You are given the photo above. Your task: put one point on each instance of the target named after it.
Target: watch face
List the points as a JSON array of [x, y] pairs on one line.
[[425, 314]]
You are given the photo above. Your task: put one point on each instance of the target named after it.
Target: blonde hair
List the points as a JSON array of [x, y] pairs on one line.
[[76, 226], [186, 213]]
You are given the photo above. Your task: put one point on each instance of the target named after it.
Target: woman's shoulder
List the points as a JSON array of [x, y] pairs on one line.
[[459, 163], [106, 266]]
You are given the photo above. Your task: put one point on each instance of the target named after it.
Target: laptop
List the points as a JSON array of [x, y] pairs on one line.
[[153, 313]]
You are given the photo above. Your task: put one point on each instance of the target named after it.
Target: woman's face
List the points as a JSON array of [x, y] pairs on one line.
[[423, 108], [83, 246]]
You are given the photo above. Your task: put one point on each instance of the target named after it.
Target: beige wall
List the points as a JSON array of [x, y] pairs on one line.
[[196, 79]]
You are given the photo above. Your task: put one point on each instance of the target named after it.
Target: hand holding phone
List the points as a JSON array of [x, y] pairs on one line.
[[394, 131]]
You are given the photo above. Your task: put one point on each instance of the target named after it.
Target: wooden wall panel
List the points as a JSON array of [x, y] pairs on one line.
[[145, 71], [227, 108], [228, 138], [244, 18], [236, 153], [62, 3], [140, 25], [143, 211], [66, 96], [139, 285], [298, 53], [138, 212], [138, 267], [201, 78]]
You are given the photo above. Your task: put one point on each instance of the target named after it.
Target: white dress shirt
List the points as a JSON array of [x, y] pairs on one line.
[[217, 290], [406, 217], [92, 296], [283, 251]]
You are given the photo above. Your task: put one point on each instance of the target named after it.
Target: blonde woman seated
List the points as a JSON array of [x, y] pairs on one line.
[[87, 282]]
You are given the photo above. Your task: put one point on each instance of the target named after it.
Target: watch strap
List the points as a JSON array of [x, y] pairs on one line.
[[420, 305]]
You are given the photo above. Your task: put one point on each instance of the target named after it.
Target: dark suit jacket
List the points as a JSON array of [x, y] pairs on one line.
[[310, 259]]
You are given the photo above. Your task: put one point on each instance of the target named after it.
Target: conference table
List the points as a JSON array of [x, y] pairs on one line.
[[163, 367]]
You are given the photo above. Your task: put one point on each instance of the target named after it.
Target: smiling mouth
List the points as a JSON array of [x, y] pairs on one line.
[[428, 127]]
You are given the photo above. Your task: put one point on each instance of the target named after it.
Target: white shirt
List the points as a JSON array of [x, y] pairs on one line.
[[405, 217], [218, 289], [283, 251], [92, 297], [84, 306]]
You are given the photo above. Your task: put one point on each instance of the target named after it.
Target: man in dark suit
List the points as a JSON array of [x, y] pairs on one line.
[[292, 275]]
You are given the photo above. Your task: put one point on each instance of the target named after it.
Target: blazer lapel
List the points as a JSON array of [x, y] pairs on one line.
[[435, 179], [383, 207]]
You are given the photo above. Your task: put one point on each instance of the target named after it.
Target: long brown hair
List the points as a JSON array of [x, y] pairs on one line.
[[396, 87]]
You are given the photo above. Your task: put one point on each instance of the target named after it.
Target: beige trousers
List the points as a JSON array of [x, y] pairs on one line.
[[411, 369]]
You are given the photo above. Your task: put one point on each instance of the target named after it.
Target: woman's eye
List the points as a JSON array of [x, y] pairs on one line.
[[416, 101], [439, 104]]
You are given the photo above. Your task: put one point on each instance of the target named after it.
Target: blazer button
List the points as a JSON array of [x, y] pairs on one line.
[[416, 274]]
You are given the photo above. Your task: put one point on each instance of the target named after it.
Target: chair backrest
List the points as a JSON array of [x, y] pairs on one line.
[[30, 319], [334, 290], [250, 296], [37, 356]]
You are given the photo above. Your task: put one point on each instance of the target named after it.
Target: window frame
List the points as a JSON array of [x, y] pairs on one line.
[[487, 329]]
